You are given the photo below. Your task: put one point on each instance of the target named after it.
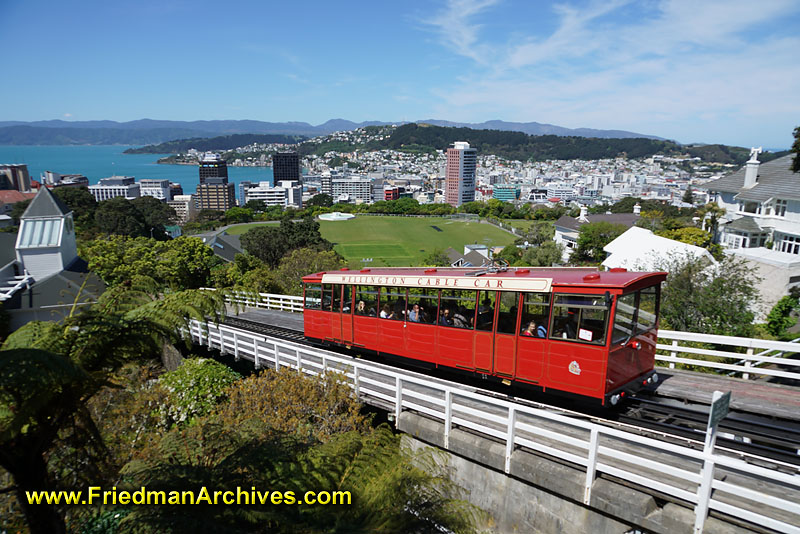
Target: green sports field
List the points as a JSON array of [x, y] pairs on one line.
[[398, 241]]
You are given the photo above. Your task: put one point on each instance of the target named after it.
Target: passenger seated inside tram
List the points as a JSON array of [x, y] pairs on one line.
[[460, 319], [399, 310], [534, 331], [415, 315], [445, 319], [361, 308], [386, 312]]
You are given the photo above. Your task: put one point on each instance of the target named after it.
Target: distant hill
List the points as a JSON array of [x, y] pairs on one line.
[[150, 131], [225, 142], [521, 146]]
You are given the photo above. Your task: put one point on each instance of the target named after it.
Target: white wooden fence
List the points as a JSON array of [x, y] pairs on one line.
[[704, 481]]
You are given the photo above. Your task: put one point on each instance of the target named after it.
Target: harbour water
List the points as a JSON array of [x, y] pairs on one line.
[[95, 162]]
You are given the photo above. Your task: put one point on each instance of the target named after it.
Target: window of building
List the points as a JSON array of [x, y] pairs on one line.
[[780, 208], [790, 244], [40, 233], [750, 207]]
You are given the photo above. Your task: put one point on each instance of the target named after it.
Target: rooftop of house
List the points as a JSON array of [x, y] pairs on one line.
[[45, 204], [574, 223], [775, 180]]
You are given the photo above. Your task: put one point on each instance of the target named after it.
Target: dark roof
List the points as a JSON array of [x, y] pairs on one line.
[[775, 180], [745, 224], [60, 290], [45, 204], [226, 246], [7, 251], [572, 223]]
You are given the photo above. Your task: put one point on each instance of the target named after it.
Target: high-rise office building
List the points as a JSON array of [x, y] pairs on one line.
[[214, 191], [15, 176], [462, 162], [213, 166], [286, 166], [115, 186], [216, 194], [153, 187]]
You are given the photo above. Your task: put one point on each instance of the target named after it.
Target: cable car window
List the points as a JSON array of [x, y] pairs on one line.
[[647, 313], [326, 297], [457, 308], [624, 318], [579, 318], [486, 311], [336, 302], [507, 313], [535, 315], [423, 304], [367, 301], [313, 297], [347, 299], [393, 303]]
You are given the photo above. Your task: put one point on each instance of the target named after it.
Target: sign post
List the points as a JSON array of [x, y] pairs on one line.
[[720, 405]]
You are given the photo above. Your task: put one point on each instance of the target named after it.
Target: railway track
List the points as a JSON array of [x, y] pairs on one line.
[[772, 440]]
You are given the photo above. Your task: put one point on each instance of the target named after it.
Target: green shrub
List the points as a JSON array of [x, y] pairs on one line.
[[196, 387]]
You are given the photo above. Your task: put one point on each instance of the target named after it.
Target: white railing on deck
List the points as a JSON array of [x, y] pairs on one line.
[[746, 363], [762, 496]]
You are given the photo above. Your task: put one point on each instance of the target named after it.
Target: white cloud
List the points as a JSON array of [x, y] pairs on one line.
[[457, 29], [683, 65]]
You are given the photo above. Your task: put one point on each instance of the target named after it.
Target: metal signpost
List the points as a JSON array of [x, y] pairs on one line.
[[720, 404]]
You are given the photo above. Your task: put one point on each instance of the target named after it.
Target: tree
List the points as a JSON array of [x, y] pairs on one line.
[[322, 200], [547, 254], [182, 263], [710, 214], [301, 262], [18, 208], [238, 215], [256, 206], [709, 299], [82, 204], [592, 237], [156, 215], [49, 371], [119, 216], [195, 388], [780, 317], [270, 244], [538, 233], [691, 235], [437, 258], [688, 196], [796, 150]]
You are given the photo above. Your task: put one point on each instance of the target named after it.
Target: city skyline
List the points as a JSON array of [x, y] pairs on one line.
[[717, 72]]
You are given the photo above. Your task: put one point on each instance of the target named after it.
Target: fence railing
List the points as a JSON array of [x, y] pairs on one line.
[[715, 482], [747, 363]]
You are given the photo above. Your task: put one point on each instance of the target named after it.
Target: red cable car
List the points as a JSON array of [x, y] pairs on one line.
[[575, 330]]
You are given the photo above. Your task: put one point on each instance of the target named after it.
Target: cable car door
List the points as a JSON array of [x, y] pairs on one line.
[[505, 330], [336, 315], [347, 314]]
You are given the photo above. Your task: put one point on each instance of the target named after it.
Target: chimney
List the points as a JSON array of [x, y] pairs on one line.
[[637, 209], [584, 213], [751, 168]]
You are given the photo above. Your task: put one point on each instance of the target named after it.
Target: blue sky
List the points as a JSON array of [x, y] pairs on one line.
[[713, 71]]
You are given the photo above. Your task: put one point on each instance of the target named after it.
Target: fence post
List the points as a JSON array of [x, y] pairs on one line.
[[673, 354], [256, 361], [748, 363], [235, 346], [448, 416], [591, 466], [398, 400], [355, 381], [512, 423]]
